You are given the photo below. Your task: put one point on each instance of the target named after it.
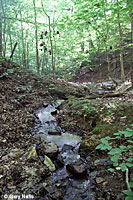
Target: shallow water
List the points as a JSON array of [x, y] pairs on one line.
[[68, 146]]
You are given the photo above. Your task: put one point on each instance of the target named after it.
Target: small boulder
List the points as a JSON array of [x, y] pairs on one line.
[[77, 168], [51, 150], [49, 163], [54, 132], [32, 154]]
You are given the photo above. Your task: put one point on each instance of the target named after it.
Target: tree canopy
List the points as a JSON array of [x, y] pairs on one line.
[[57, 36]]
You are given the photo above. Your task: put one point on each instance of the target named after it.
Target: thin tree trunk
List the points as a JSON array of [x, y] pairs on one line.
[[132, 52], [131, 16], [107, 52], [10, 37], [4, 29], [23, 43], [11, 56], [27, 63], [121, 48], [51, 43], [20, 57], [36, 36], [43, 57], [0, 32], [105, 42]]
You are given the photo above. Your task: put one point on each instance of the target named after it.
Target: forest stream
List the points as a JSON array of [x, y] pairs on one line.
[[48, 145], [70, 172]]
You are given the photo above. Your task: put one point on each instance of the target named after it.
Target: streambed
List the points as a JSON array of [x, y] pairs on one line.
[[71, 178]]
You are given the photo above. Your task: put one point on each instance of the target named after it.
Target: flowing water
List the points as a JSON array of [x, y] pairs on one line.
[[62, 180]]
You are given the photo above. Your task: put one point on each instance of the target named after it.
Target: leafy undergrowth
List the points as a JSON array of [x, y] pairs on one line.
[[96, 119], [99, 117]]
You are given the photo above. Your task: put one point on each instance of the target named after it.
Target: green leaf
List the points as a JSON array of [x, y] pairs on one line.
[[115, 164], [123, 148], [111, 169], [115, 151], [129, 164], [108, 138], [123, 167], [128, 198], [128, 192], [130, 146], [117, 137], [119, 133], [105, 147], [99, 146], [104, 141], [130, 141], [129, 159], [115, 158], [131, 184], [128, 134], [128, 129]]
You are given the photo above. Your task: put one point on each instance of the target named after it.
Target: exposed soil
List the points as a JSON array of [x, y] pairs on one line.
[[21, 93], [97, 70]]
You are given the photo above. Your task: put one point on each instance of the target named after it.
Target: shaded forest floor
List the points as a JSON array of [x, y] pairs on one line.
[[21, 93]]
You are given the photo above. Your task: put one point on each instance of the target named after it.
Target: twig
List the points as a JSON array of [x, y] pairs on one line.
[[127, 180]]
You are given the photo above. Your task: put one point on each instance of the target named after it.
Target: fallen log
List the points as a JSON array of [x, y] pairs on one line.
[[95, 96]]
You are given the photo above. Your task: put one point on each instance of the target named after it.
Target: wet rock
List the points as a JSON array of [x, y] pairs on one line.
[[51, 149], [77, 168], [54, 112], [54, 132], [59, 160], [49, 163], [45, 105], [32, 154], [67, 147]]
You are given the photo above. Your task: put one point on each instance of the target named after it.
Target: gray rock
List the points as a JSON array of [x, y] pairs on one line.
[[59, 160], [77, 168], [54, 132], [51, 149]]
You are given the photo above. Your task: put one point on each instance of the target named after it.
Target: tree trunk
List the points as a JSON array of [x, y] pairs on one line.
[[11, 56], [129, 3], [27, 63], [132, 51], [20, 57], [0, 31], [23, 43], [10, 37], [4, 29], [36, 36], [121, 48], [51, 42]]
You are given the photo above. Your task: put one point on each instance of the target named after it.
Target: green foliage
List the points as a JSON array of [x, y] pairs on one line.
[[119, 155], [129, 194], [86, 28]]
